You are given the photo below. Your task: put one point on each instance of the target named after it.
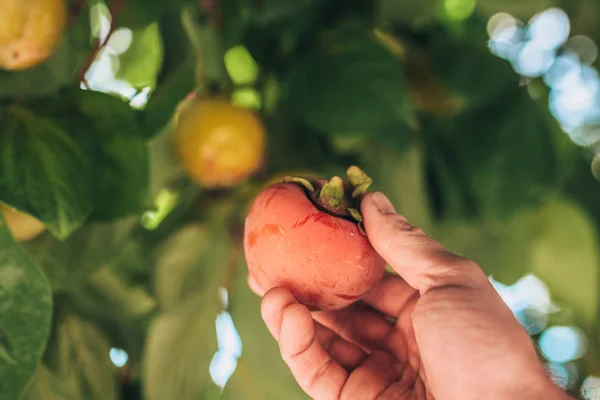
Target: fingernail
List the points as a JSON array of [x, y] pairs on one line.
[[383, 204]]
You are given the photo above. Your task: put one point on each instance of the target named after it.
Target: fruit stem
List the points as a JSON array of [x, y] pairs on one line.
[[359, 181], [332, 193]]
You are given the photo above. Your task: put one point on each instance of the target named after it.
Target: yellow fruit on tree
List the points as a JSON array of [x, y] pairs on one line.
[[218, 144], [23, 226], [29, 31]]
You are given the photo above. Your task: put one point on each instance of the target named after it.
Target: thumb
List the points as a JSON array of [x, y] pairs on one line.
[[421, 261]]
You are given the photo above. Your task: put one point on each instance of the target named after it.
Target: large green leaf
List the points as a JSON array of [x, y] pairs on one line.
[[45, 167], [25, 314], [106, 295], [59, 70], [178, 351], [69, 263], [122, 169], [467, 67], [61, 158], [191, 266], [491, 161], [77, 365], [261, 373], [348, 83], [140, 64]]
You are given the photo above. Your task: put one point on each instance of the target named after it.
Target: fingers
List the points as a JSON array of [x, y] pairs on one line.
[[390, 295], [319, 375], [347, 354], [421, 261], [357, 324], [379, 371], [369, 329]]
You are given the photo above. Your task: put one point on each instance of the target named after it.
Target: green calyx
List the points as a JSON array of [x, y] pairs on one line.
[[336, 196]]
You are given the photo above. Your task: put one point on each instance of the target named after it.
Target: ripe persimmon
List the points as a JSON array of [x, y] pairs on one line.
[[217, 143], [307, 237]]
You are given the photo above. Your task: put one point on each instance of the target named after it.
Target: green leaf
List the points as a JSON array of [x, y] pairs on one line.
[[467, 67], [59, 70], [407, 11], [261, 373], [181, 341], [191, 266], [78, 365], [140, 64], [106, 295], [122, 177], [566, 257], [272, 29], [83, 151], [25, 314], [501, 155], [69, 263], [186, 261], [135, 14], [177, 75], [348, 83], [49, 385], [179, 347], [45, 166]]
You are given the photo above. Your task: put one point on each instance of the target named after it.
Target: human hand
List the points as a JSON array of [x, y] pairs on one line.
[[437, 330]]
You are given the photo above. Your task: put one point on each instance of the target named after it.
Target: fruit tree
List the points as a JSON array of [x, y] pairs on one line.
[[138, 135]]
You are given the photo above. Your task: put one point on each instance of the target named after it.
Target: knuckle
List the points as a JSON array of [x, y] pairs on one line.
[[444, 269]]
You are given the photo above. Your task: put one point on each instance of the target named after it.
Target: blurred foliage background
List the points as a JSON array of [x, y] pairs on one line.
[[479, 118]]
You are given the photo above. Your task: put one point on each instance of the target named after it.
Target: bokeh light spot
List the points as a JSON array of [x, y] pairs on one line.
[[224, 362], [507, 35], [118, 357], [562, 343], [566, 67], [240, 65], [119, 41], [459, 9], [533, 61], [590, 388], [165, 202], [584, 47], [246, 97], [221, 367], [563, 375], [550, 28]]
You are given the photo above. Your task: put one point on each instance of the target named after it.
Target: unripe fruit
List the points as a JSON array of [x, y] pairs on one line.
[[311, 242], [29, 31], [218, 144], [23, 226]]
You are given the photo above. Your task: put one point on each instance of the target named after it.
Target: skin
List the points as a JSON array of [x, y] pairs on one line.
[[436, 330], [323, 260]]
